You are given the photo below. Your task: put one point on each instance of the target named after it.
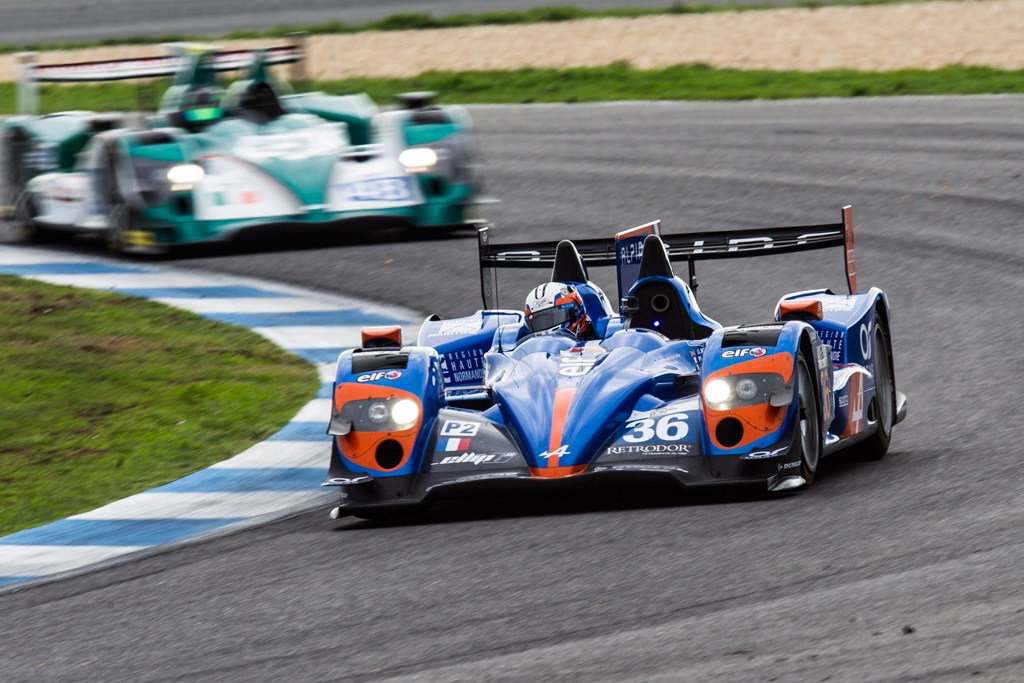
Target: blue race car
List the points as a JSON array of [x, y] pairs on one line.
[[570, 391]]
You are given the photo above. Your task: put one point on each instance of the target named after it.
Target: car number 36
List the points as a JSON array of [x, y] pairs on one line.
[[667, 428]]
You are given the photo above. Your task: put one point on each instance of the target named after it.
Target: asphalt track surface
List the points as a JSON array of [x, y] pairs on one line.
[[25, 22], [904, 569]]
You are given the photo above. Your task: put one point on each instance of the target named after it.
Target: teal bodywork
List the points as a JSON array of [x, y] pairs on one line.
[[271, 158]]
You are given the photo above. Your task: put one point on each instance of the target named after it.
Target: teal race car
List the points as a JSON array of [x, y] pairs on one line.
[[213, 163]]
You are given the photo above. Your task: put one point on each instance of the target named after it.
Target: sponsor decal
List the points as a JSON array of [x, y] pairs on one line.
[[855, 416], [844, 305], [578, 362], [671, 427], [755, 352], [518, 256], [225, 198], [865, 340], [748, 243], [42, 156], [671, 409], [788, 465], [554, 456], [450, 328], [454, 444], [651, 449], [349, 481], [631, 252], [824, 356], [377, 376], [377, 190], [322, 140], [465, 365], [834, 339], [477, 459], [460, 429], [762, 455], [844, 400]]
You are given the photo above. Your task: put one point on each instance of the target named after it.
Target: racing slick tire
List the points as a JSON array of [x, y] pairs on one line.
[[26, 227], [882, 409], [14, 176], [119, 222], [808, 438]]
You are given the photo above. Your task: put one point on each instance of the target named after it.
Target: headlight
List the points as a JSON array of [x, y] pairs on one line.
[[734, 391], [717, 391], [374, 415], [418, 159], [184, 176], [746, 389], [404, 412], [377, 412]]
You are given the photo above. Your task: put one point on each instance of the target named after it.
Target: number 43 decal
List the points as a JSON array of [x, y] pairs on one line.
[[666, 428]]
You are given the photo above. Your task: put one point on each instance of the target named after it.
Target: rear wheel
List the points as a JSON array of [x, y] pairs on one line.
[[882, 410]]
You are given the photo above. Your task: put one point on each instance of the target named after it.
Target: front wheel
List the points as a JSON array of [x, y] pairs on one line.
[[808, 436], [119, 222], [26, 227]]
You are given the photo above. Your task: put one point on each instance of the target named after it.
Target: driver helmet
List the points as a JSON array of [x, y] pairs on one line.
[[202, 104], [556, 305]]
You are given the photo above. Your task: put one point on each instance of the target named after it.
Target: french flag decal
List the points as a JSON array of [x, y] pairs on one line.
[[456, 444]]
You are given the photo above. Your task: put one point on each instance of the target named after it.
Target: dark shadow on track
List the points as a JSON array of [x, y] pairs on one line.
[[511, 506], [605, 498], [274, 238]]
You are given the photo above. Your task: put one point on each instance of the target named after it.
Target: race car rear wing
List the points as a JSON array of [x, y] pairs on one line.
[[33, 74], [689, 247]]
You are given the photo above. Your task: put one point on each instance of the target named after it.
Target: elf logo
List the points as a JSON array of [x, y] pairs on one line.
[[755, 352], [377, 376]]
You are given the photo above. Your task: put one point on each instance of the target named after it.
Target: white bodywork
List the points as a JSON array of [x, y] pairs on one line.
[[234, 187]]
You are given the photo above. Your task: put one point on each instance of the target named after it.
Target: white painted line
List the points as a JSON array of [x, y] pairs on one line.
[[115, 281], [317, 410], [281, 454], [327, 371], [28, 257], [40, 560], [312, 336], [151, 505], [251, 305]]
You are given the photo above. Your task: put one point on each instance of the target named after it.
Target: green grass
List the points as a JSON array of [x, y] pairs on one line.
[[689, 82], [615, 82], [406, 21], [105, 395]]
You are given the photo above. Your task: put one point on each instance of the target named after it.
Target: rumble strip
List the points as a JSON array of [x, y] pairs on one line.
[[272, 479]]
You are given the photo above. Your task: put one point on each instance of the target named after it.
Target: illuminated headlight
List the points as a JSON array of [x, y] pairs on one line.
[[717, 391], [748, 390], [184, 176], [404, 412], [418, 159], [377, 413]]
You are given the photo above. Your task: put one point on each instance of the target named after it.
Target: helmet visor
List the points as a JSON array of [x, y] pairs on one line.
[[551, 317]]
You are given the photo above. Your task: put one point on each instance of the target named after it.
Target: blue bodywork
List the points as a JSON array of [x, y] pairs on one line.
[[503, 406]]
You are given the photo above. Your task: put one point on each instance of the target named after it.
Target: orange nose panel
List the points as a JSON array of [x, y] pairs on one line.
[[757, 420], [361, 447]]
